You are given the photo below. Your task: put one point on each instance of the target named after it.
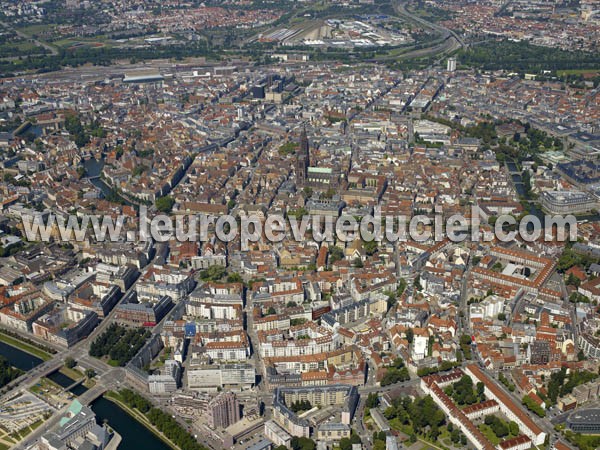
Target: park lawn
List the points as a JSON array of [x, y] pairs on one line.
[[396, 424], [74, 374], [489, 434], [36, 424], [35, 351]]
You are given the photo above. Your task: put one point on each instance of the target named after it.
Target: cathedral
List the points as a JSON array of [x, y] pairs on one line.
[[319, 178]]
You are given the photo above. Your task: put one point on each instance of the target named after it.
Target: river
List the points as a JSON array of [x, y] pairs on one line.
[[64, 381], [134, 434], [18, 358], [533, 207], [93, 169]]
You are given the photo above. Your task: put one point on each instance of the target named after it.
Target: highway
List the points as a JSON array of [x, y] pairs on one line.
[[450, 40]]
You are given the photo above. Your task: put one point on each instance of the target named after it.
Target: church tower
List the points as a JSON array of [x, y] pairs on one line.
[[303, 159]]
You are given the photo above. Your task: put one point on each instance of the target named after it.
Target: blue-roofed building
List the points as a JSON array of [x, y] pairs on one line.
[[190, 330]]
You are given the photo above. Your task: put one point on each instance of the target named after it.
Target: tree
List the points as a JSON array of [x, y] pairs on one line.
[[164, 204], [70, 362], [234, 278], [300, 405], [410, 335], [372, 400], [303, 443], [7, 372], [345, 444], [335, 254], [531, 405], [417, 283], [481, 391], [455, 436], [213, 273], [90, 373], [379, 445], [370, 247]]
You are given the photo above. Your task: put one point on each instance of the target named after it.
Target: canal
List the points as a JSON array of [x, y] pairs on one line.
[[19, 358], [533, 207], [133, 433], [93, 170], [64, 381]]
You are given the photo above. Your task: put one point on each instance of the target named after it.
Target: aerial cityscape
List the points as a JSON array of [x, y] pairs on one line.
[[300, 224]]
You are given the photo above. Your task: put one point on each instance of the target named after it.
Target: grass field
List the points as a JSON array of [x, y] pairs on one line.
[[35, 29], [74, 374]]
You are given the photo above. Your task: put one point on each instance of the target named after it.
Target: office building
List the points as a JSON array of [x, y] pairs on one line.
[[223, 410]]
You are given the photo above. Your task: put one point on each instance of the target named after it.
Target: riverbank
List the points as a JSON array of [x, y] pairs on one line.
[[139, 417], [27, 348]]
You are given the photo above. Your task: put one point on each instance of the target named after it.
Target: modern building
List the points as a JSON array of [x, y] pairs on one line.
[[76, 430], [344, 396], [223, 410], [585, 421], [214, 376], [277, 435], [451, 66], [167, 381]]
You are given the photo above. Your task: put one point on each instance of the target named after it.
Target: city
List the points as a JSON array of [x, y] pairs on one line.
[[480, 330]]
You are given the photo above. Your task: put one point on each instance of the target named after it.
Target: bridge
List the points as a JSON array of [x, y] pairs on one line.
[[74, 385], [92, 394], [31, 377]]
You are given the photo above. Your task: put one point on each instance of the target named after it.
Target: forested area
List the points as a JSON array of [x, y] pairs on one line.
[[524, 57]]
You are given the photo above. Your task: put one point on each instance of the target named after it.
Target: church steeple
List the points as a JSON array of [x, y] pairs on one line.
[[304, 147], [303, 159]]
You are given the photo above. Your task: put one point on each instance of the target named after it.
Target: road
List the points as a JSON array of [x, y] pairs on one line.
[[450, 40]]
